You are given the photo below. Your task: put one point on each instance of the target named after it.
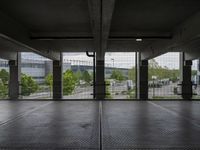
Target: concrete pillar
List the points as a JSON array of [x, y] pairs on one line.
[[57, 79], [100, 84], [186, 80], [142, 78], [15, 77]]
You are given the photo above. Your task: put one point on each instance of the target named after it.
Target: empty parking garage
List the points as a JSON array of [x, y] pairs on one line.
[[99, 74]]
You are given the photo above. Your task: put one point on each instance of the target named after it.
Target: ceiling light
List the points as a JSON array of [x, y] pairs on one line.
[[138, 40]]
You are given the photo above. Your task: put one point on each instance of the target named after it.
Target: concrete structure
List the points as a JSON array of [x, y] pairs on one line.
[[100, 29], [148, 27]]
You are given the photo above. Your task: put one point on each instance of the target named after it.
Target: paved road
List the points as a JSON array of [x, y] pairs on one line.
[[164, 91], [85, 92]]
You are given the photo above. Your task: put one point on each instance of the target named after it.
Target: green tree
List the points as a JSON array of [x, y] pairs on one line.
[[108, 92], [131, 74], [4, 76], [49, 81], [194, 72], [78, 76], [86, 77], [28, 85], [69, 82], [162, 72], [117, 75], [3, 90]]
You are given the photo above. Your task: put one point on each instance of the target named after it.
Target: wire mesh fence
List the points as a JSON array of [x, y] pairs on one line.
[[77, 76], [4, 78], [36, 76], [164, 77], [195, 78], [120, 75]]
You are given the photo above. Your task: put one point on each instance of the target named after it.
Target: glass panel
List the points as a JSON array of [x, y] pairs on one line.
[[4, 78], [77, 76], [36, 76], [164, 76], [120, 75]]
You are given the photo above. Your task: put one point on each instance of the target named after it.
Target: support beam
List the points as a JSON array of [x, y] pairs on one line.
[[192, 55], [100, 15], [142, 78], [14, 80], [186, 32], [8, 55], [186, 78], [57, 79], [75, 45], [14, 32], [8, 50]]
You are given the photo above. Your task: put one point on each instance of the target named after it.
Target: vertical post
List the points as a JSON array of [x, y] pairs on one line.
[[153, 88], [94, 71], [136, 75], [57, 79], [15, 77], [142, 76], [94, 75], [186, 78]]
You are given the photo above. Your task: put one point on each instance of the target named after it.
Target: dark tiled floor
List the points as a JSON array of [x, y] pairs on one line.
[[155, 125], [50, 125], [75, 125]]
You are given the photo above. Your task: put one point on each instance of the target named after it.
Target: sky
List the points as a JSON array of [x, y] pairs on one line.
[[127, 60], [116, 59]]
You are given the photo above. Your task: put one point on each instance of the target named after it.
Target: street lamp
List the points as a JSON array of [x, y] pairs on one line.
[[113, 61], [154, 78]]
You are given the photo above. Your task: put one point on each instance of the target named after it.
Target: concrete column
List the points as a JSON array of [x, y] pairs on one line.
[[186, 80], [15, 77], [57, 79], [100, 84], [142, 78]]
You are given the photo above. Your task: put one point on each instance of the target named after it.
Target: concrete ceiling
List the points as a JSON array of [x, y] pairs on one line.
[[153, 16], [50, 26]]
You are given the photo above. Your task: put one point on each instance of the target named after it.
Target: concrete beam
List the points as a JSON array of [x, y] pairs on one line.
[[8, 55], [123, 46], [101, 15], [67, 45], [191, 50], [186, 32], [107, 12], [96, 19], [14, 32], [192, 55]]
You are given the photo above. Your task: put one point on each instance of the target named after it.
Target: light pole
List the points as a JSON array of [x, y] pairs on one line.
[[113, 60], [154, 78]]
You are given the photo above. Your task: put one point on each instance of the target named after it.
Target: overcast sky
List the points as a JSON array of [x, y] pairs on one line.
[[127, 60], [118, 59]]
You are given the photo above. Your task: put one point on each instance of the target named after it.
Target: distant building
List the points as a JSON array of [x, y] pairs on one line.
[[38, 67]]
